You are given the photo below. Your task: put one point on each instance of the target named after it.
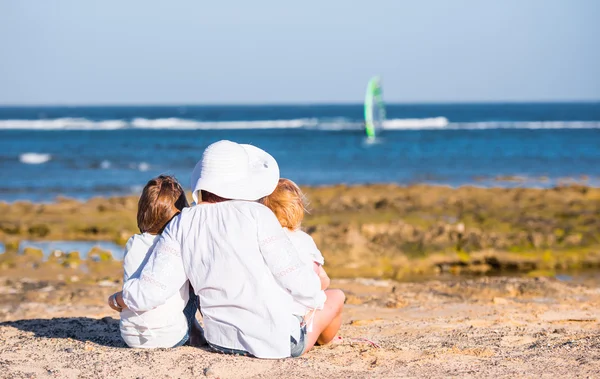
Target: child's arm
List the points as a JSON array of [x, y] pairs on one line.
[[284, 262], [129, 266], [323, 277]]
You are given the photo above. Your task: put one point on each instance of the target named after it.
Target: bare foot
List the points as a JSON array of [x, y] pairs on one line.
[[197, 335]]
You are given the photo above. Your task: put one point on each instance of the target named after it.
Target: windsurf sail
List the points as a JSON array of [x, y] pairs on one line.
[[374, 107]]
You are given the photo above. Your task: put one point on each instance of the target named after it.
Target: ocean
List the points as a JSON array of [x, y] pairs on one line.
[[88, 151]]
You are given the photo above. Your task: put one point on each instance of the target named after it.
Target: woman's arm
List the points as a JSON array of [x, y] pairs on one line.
[[162, 276], [284, 262]]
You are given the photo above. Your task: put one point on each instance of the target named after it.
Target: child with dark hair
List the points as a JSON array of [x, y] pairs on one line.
[[173, 323]]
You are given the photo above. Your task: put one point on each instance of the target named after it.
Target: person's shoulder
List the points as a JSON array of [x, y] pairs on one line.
[[250, 206], [302, 237], [250, 210], [189, 210], [188, 213], [139, 242], [143, 239], [307, 243]]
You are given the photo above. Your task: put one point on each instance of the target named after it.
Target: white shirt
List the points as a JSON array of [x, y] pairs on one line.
[[163, 326], [309, 253], [238, 259]]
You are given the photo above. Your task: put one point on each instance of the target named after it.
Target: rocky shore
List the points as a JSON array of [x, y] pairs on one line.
[[379, 231]]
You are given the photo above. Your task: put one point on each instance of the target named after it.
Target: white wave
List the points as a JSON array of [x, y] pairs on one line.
[[526, 125], [34, 158], [178, 123], [142, 166], [301, 123], [63, 124], [105, 165], [415, 123]]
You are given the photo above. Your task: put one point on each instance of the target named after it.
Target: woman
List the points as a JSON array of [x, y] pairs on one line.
[[235, 254]]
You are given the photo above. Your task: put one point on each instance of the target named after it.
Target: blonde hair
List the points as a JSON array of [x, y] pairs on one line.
[[288, 203]]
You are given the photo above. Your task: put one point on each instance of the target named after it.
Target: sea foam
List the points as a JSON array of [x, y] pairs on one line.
[[63, 124], [417, 123], [340, 123], [34, 158]]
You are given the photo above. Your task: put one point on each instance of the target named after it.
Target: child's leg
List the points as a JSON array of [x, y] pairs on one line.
[[327, 321]]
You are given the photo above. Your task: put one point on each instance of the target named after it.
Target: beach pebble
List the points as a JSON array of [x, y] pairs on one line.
[[209, 371], [46, 289]]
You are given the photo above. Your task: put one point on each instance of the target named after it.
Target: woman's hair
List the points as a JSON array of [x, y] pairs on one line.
[[209, 197], [288, 203], [161, 200]]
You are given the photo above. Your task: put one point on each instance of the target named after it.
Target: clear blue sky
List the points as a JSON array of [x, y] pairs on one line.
[[276, 51]]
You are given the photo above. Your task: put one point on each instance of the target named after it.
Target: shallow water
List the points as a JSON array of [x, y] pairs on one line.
[[82, 247]]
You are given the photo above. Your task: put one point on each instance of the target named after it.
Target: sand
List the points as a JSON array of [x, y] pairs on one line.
[[486, 327]]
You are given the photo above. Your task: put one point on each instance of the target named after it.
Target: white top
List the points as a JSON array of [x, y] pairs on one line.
[[309, 253], [238, 259], [163, 326]]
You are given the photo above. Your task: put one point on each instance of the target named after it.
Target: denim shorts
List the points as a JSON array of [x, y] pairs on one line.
[[190, 314], [296, 347], [299, 346]]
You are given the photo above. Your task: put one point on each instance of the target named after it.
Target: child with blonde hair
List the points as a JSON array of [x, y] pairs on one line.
[[288, 203]]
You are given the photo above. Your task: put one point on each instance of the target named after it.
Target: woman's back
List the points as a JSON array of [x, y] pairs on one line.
[[236, 289], [234, 254]]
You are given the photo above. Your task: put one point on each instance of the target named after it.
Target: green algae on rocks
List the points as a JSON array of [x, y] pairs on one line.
[[382, 230]]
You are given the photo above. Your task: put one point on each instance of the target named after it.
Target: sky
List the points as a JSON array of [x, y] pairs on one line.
[[272, 51]]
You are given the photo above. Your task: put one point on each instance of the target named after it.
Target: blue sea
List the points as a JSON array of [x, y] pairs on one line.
[[83, 152]]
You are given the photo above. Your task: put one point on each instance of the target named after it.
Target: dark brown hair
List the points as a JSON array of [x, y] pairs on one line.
[[161, 200], [209, 197]]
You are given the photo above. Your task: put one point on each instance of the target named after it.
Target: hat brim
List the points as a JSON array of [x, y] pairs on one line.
[[261, 180]]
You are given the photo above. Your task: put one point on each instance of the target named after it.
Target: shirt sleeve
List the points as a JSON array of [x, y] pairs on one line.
[[311, 247], [128, 270], [284, 262], [163, 274]]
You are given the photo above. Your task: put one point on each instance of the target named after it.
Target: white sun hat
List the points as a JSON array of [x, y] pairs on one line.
[[235, 171]]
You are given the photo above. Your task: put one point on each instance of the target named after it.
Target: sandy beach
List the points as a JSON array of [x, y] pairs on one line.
[[440, 282], [487, 327]]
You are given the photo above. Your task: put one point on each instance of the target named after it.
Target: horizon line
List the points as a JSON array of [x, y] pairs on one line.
[[283, 104]]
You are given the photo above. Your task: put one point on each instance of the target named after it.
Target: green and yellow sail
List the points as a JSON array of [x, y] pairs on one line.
[[374, 107]]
